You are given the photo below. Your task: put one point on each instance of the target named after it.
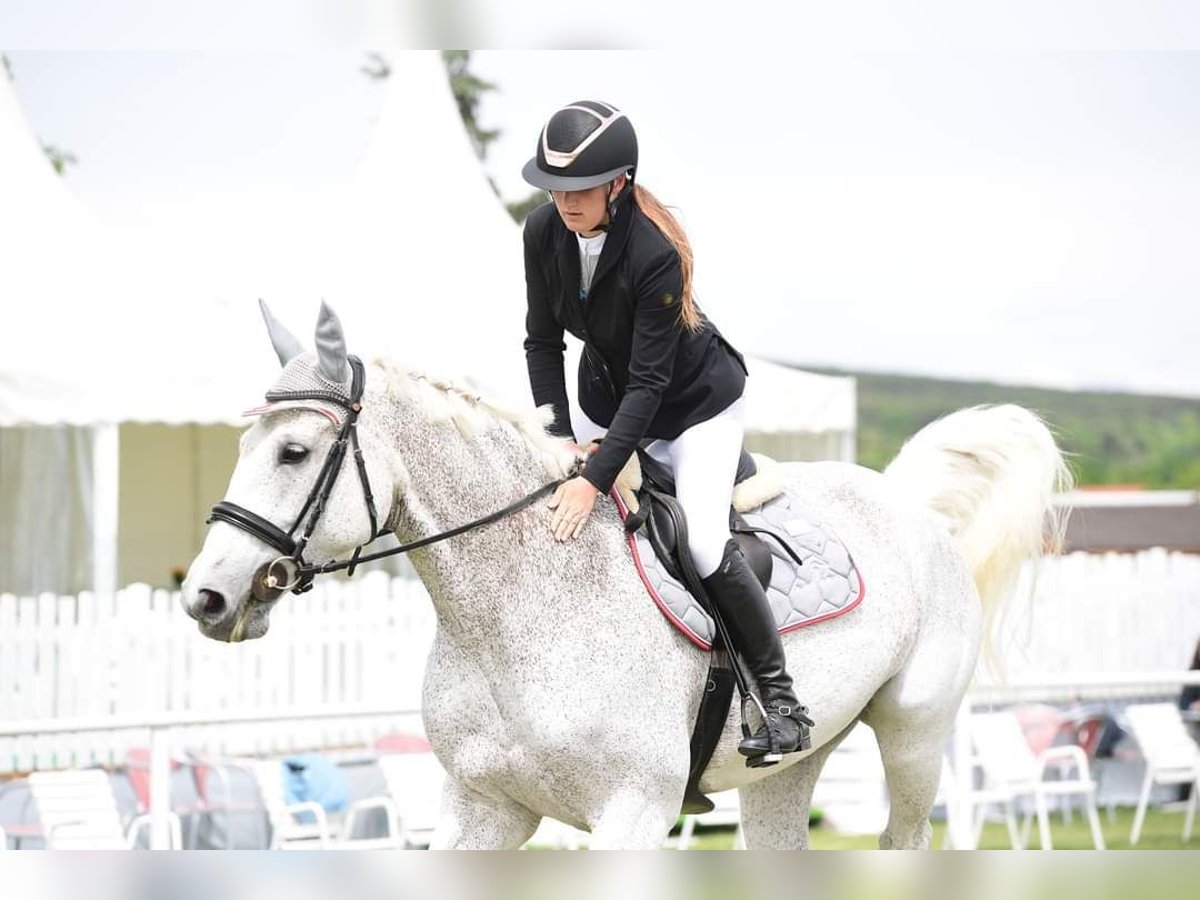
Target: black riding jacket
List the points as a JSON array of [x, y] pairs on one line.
[[642, 373]]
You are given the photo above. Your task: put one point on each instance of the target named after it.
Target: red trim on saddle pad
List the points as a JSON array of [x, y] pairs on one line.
[[658, 601], [678, 623], [816, 620]]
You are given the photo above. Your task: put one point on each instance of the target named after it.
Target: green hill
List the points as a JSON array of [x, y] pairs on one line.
[[1113, 438]]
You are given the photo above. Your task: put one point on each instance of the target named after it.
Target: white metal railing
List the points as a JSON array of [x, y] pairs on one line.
[[1071, 687], [164, 730]]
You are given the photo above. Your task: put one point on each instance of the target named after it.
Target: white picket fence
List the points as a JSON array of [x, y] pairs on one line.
[[136, 654], [1091, 614], [363, 643]]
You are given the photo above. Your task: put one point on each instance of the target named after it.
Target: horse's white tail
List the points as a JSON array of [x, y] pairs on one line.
[[990, 473]]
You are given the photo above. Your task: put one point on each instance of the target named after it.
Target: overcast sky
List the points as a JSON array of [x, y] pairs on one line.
[[1029, 217]]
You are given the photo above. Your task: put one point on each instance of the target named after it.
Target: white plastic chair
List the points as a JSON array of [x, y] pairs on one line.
[[412, 805], [1172, 757], [288, 830], [1011, 771], [78, 811]]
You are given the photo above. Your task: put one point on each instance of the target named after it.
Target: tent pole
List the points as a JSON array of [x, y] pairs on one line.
[[850, 435], [849, 445], [106, 475]]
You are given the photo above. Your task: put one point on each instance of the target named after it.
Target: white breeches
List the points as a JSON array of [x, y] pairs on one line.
[[704, 461]]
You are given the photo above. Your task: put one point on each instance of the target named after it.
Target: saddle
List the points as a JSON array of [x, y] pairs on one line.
[[807, 571], [655, 509], [653, 506]]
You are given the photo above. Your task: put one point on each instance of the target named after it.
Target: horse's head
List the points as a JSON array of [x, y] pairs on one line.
[[297, 461]]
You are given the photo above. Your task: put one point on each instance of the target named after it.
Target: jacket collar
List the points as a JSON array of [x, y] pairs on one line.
[[614, 245], [618, 236]]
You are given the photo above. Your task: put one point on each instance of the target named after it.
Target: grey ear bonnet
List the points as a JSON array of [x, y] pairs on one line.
[[331, 346], [287, 345], [305, 378]]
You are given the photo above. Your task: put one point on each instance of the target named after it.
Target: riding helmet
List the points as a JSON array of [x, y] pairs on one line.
[[584, 144]]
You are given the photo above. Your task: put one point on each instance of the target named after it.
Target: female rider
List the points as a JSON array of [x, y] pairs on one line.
[[607, 262]]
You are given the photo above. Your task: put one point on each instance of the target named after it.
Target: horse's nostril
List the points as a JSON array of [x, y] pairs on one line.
[[212, 604]]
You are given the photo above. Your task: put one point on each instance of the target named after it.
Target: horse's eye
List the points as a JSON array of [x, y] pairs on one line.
[[292, 454]]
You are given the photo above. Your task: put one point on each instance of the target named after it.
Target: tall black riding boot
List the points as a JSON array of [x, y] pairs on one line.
[[742, 603]]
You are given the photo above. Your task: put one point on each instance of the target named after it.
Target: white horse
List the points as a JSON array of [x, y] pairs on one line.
[[555, 687]]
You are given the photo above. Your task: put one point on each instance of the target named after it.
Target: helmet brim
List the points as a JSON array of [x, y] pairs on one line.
[[540, 178]]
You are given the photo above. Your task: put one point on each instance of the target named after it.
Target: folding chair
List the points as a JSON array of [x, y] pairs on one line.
[[78, 811], [412, 805], [1089, 731], [290, 829], [1011, 771], [1172, 757], [214, 784]]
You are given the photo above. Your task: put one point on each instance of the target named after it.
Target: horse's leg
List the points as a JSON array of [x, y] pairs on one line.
[[775, 809], [631, 820], [912, 762], [471, 821], [912, 716]]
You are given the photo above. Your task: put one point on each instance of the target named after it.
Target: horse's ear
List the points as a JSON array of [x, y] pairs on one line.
[[287, 345], [331, 346]]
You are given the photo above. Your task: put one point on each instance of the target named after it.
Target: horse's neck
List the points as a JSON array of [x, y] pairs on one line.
[[451, 479], [511, 602]]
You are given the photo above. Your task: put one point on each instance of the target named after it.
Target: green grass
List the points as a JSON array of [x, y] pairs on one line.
[[1163, 831]]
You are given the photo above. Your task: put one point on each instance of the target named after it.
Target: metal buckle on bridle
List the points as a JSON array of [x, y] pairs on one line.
[[288, 564], [299, 574], [280, 575]]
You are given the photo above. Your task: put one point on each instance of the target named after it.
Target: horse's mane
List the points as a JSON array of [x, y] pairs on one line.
[[473, 414]]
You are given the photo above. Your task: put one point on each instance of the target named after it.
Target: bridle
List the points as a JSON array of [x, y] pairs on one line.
[[298, 574]]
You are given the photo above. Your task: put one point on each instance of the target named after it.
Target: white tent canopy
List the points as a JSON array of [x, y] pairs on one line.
[[417, 255], [52, 265], [56, 528]]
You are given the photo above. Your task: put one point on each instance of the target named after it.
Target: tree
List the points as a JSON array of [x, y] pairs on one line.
[[468, 89], [58, 157], [520, 209]]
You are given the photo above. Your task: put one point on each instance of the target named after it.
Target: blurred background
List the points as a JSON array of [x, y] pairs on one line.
[[891, 231]]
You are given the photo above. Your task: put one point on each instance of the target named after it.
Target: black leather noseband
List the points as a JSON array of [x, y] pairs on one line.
[[285, 542], [291, 549]]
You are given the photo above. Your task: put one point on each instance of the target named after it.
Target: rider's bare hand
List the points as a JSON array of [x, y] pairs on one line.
[[572, 504]]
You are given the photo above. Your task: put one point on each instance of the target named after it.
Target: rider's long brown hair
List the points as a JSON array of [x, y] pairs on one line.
[[689, 315]]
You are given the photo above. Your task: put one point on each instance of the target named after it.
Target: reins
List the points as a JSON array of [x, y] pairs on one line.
[[527, 500], [302, 573]]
